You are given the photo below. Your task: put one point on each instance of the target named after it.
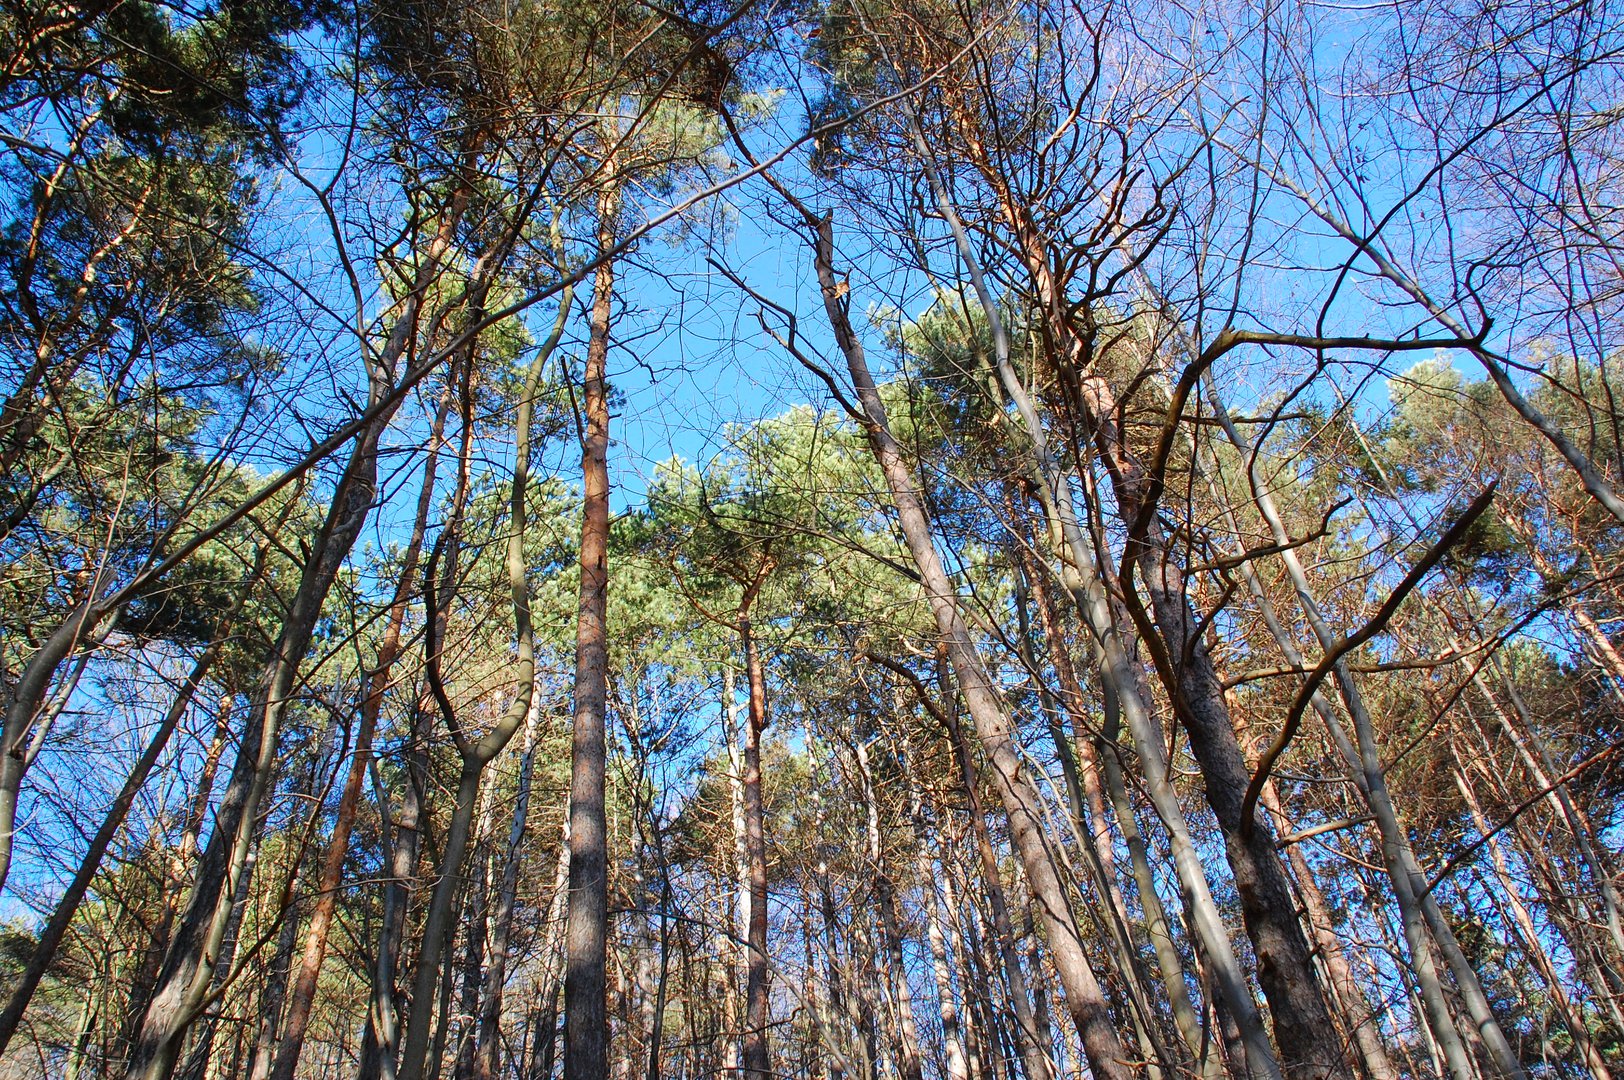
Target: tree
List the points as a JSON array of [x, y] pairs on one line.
[[1024, 610]]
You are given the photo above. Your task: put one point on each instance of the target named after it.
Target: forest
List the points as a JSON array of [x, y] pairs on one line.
[[817, 539]]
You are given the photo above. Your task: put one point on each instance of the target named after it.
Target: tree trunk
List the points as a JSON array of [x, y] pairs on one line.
[[1308, 1045], [1084, 999], [438, 927], [1529, 933], [957, 1067], [303, 997], [56, 927], [1083, 783], [26, 701], [1364, 764], [586, 1034], [1285, 968], [380, 1055], [831, 946], [1524, 735], [966, 950], [1302, 1025], [190, 963], [909, 1063], [490, 1017], [1123, 698], [1367, 1033], [732, 951], [476, 753], [475, 922], [274, 994], [1033, 1050], [1168, 962], [442, 1019], [757, 1064], [552, 971]]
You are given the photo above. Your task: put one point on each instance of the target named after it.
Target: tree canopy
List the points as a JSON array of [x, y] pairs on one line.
[[845, 539]]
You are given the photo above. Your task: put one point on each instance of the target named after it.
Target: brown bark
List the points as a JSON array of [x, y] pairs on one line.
[[831, 945], [1354, 1007], [1302, 1025], [1303, 1029], [957, 1065], [1032, 1050], [190, 963], [1079, 764], [586, 1035]]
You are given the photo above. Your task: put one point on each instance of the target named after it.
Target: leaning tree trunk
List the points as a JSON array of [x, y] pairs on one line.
[[1302, 1024], [56, 926], [189, 965], [1308, 1044], [909, 1064], [1084, 999], [26, 700], [477, 753], [1366, 1032], [1034, 1054], [1170, 966], [302, 998], [957, 1065], [1555, 984], [145, 976], [1285, 966], [1088, 818], [1355, 1007]]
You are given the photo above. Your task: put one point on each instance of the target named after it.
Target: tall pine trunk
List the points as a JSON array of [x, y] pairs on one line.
[[586, 1031]]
